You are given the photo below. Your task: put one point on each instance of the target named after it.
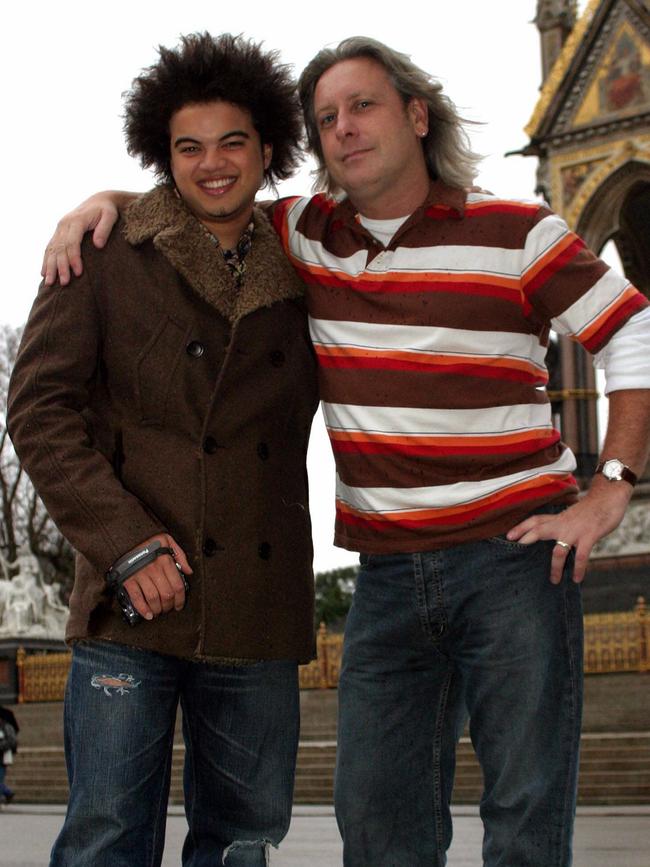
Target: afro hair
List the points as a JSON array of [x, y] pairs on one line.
[[202, 69]]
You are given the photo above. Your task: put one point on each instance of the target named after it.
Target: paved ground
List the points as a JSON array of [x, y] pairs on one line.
[[605, 837]]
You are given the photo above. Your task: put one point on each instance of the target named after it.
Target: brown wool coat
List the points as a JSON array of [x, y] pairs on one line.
[[150, 394]]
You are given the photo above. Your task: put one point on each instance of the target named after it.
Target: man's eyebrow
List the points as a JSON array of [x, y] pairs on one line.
[[187, 139], [240, 133], [329, 106]]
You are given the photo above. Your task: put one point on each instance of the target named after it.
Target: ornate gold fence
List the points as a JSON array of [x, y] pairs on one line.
[[618, 642], [41, 676], [323, 672], [613, 642]]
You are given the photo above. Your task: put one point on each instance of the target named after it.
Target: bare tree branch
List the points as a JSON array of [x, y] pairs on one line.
[[23, 517]]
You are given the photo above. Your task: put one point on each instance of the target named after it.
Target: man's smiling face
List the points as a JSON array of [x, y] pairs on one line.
[[218, 163]]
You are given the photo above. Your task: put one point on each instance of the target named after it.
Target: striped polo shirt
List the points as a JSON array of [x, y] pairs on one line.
[[431, 360]]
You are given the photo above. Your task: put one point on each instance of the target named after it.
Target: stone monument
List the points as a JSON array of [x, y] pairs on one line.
[[29, 606]]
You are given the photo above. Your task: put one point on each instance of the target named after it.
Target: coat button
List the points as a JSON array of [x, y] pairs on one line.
[[210, 445], [263, 451], [210, 547], [277, 358], [264, 550], [195, 349]]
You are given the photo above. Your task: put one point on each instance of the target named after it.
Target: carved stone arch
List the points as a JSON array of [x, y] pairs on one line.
[[619, 210], [633, 240]]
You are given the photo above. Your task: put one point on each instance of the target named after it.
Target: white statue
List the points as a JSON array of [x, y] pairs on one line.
[[56, 613], [29, 606]]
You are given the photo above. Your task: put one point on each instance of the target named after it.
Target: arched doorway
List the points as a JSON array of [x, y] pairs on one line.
[[618, 214], [619, 210]]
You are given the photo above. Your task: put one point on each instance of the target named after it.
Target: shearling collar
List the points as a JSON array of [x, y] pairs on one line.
[[162, 217]]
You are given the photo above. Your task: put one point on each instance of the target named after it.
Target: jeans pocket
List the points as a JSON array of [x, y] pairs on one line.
[[504, 542]]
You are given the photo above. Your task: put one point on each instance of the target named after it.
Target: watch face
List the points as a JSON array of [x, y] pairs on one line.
[[613, 469]]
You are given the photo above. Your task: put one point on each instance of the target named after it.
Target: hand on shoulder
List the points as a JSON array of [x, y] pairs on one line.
[[98, 214]]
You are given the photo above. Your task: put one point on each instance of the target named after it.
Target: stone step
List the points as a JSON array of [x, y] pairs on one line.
[[307, 754], [321, 734], [616, 763], [315, 784], [620, 700], [607, 780], [631, 738], [602, 744], [628, 754], [593, 776], [614, 767], [611, 790], [611, 758]]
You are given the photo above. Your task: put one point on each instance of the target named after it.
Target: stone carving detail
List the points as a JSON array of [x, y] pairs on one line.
[[608, 159], [586, 74], [543, 179], [573, 177], [553, 80], [626, 82], [631, 537], [562, 126], [28, 606], [616, 33], [551, 13]]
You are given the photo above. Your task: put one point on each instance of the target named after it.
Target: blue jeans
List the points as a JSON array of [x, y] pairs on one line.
[[475, 629], [240, 726], [5, 791]]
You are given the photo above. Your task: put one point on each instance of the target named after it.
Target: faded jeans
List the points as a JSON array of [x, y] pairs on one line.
[[5, 791], [478, 629], [240, 726]]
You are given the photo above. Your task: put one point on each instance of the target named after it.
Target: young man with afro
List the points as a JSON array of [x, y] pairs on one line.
[[162, 404]]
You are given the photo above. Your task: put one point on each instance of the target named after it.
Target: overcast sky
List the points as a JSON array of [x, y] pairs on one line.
[[65, 64]]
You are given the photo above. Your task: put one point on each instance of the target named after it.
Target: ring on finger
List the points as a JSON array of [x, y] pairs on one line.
[[564, 545]]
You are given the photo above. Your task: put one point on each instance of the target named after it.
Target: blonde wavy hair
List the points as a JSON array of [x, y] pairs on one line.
[[446, 146]]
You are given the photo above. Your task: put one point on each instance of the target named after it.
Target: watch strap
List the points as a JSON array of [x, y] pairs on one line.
[[626, 474]]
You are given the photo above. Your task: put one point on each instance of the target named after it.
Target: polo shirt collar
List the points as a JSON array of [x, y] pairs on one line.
[[440, 198]]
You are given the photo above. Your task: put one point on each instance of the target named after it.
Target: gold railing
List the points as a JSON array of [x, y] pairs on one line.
[[618, 642], [41, 676], [613, 643], [572, 394], [323, 672]]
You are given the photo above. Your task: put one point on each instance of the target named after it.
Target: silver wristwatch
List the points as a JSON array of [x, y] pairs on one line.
[[616, 471]]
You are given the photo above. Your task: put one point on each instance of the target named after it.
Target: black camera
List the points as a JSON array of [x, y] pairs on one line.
[[128, 565], [129, 613]]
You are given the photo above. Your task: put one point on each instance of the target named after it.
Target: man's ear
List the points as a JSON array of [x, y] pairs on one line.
[[267, 153], [418, 112]]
